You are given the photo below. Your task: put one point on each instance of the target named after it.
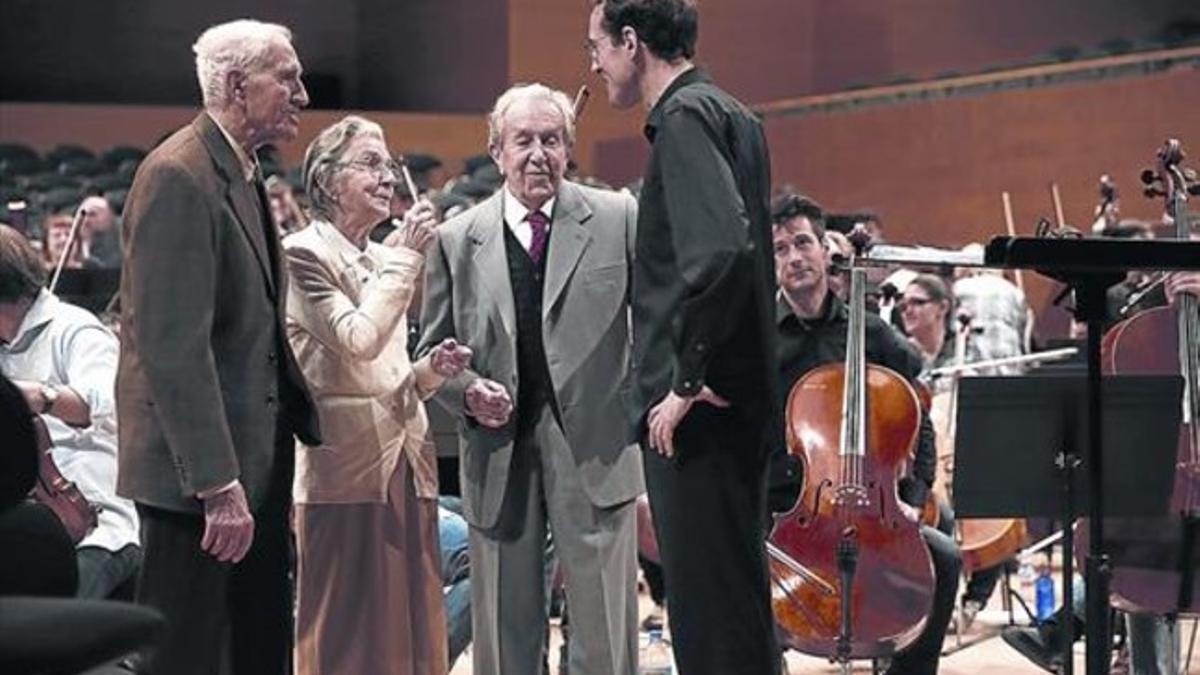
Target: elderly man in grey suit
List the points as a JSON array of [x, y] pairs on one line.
[[535, 279], [208, 391]]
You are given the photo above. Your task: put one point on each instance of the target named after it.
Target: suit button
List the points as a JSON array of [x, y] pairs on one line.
[[271, 357], [270, 399]]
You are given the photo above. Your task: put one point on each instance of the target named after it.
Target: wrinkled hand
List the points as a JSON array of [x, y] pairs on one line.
[[666, 415], [228, 525], [489, 403], [418, 228], [1181, 282], [449, 358]]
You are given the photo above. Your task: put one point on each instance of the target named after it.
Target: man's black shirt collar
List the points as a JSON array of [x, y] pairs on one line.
[[832, 309], [693, 75]]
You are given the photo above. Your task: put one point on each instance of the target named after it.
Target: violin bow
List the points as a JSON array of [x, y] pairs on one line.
[[80, 214]]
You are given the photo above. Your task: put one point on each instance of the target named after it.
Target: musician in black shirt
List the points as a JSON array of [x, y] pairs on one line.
[[812, 326], [704, 392]]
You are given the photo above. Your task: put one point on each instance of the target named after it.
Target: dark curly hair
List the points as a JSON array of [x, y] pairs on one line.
[[790, 205], [668, 27]]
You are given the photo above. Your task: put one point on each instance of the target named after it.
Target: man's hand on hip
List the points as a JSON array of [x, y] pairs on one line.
[[228, 524], [666, 415]]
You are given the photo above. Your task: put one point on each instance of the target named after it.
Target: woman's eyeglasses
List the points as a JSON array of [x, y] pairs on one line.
[[905, 303], [381, 168]]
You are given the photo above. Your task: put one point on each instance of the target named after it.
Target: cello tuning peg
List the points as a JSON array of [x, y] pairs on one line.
[[859, 238]]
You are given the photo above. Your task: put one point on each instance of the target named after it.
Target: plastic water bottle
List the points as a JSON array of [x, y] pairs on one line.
[[1026, 574], [655, 658], [1045, 595]]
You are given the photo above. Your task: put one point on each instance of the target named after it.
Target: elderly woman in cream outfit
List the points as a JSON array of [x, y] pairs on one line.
[[369, 590]]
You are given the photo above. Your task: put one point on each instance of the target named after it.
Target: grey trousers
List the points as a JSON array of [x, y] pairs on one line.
[[596, 548]]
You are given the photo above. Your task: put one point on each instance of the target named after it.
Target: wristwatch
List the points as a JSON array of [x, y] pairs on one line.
[[49, 395]]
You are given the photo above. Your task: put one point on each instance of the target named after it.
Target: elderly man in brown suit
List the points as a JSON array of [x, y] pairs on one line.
[[208, 390]]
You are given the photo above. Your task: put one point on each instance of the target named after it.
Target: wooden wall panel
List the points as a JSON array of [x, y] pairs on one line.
[[451, 137], [936, 170]]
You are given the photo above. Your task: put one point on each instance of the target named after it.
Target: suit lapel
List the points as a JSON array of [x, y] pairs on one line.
[[568, 239], [487, 234], [239, 194]]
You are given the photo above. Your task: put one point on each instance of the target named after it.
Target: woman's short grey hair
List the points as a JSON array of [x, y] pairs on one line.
[[524, 92], [322, 158], [243, 45]]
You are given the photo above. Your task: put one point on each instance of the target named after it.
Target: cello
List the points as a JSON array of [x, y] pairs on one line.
[[983, 542], [851, 576], [1155, 561]]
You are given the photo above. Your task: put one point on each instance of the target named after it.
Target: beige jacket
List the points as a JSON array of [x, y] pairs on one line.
[[346, 324]]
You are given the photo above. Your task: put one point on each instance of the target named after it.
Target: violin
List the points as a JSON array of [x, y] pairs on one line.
[[1155, 561], [850, 575], [52, 489]]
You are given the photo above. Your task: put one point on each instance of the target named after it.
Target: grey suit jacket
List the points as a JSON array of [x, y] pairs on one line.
[[200, 389], [585, 331]]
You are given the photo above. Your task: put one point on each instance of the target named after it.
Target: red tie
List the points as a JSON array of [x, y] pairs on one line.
[[538, 224]]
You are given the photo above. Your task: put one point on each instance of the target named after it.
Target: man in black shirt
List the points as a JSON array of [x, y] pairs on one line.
[[705, 399], [812, 324]]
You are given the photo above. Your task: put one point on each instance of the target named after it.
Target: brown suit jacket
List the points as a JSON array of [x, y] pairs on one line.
[[201, 387]]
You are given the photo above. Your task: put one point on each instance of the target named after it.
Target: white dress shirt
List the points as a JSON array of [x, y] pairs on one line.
[[515, 215]]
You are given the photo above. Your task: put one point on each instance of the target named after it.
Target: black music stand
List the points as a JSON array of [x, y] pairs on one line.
[[1021, 440], [1090, 267]]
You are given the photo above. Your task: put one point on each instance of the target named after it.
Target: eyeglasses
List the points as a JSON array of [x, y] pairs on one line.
[[906, 303], [381, 168], [591, 48]]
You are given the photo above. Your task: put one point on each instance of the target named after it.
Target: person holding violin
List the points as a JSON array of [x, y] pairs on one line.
[[64, 361], [812, 327], [925, 306]]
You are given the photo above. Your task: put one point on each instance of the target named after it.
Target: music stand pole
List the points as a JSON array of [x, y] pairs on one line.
[[1068, 462], [1090, 306]]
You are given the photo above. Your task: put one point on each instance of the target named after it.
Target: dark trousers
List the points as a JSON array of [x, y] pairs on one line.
[[101, 571], [921, 657], [207, 602], [708, 503]]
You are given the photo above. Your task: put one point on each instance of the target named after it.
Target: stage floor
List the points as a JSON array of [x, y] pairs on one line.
[[983, 653]]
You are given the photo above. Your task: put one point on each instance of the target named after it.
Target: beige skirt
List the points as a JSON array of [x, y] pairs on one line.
[[369, 587]]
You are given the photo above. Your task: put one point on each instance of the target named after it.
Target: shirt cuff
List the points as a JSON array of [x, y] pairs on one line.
[[212, 492]]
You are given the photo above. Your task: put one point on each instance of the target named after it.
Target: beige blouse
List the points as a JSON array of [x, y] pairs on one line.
[[346, 324]]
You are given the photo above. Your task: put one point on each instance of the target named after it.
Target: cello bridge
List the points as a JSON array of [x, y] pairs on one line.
[[851, 495]]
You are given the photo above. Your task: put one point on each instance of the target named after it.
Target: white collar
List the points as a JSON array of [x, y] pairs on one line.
[[249, 162], [40, 312], [515, 212], [341, 245]]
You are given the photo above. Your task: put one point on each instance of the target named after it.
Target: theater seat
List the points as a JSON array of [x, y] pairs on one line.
[[48, 636]]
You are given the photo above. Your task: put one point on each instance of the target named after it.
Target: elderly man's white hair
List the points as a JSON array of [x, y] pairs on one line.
[[523, 92], [243, 45]]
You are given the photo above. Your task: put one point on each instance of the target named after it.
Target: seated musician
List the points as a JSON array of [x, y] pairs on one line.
[[64, 361], [925, 307], [812, 324]]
